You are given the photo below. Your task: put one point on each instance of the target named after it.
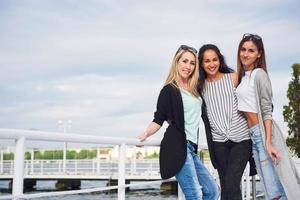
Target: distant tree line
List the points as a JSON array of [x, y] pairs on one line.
[[71, 154], [82, 154], [56, 154]]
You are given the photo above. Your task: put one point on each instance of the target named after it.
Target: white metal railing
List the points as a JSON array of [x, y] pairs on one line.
[[83, 166], [18, 173]]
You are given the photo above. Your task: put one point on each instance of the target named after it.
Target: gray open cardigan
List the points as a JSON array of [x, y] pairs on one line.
[[286, 169]]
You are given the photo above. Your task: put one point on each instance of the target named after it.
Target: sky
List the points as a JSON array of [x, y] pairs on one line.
[[102, 63]]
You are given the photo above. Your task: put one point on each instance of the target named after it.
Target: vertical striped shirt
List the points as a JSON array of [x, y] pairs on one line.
[[227, 123]]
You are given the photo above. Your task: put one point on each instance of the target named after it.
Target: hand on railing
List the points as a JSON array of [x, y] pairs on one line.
[[151, 129], [142, 137]]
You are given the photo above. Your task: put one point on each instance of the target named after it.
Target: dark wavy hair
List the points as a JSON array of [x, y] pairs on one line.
[[202, 74]]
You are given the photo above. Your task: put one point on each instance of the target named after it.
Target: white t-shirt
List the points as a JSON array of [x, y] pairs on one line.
[[245, 92]]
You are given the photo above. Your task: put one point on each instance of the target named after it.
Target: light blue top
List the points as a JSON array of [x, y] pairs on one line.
[[192, 115]]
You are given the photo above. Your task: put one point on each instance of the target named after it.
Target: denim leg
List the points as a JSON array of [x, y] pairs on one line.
[[258, 167], [209, 185], [265, 167], [187, 179]]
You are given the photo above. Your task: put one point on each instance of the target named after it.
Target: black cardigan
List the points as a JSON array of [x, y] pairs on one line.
[[173, 147], [208, 135]]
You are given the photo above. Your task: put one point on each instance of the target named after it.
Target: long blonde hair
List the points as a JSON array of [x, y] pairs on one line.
[[173, 75]]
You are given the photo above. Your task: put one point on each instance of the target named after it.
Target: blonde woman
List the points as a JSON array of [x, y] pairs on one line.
[[180, 104]]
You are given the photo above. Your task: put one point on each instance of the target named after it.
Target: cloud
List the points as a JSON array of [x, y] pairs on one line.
[[85, 99], [101, 105], [41, 39], [102, 63]]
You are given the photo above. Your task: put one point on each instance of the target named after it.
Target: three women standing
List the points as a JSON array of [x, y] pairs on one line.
[[230, 141]]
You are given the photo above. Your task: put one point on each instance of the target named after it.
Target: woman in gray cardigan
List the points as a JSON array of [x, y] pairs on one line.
[[275, 167]]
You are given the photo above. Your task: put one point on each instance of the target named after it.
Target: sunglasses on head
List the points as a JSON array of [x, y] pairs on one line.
[[188, 48], [249, 35]]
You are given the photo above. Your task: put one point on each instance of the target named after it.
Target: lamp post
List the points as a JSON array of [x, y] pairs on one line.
[[65, 125]]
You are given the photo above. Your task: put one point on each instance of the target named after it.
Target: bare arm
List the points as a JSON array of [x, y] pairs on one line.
[[151, 129], [159, 116], [268, 130], [273, 153], [234, 78]]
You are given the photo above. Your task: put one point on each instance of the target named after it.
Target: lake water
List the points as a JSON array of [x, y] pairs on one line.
[[135, 193]]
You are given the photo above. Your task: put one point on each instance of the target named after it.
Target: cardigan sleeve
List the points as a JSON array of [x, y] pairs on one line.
[[265, 94], [161, 113], [208, 135]]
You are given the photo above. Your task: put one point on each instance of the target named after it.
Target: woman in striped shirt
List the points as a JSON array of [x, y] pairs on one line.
[[226, 128]]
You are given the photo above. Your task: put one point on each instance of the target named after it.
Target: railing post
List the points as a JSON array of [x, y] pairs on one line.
[[201, 155], [1, 162], [151, 166], [32, 161], [98, 160], [121, 174], [11, 171], [42, 166], [94, 169], [76, 166], [64, 157], [254, 187], [18, 167], [242, 185], [26, 171], [134, 161], [248, 196], [180, 193], [59, 166]]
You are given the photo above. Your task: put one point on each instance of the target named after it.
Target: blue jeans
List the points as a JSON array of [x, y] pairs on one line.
[[264, 166], [195, 180]]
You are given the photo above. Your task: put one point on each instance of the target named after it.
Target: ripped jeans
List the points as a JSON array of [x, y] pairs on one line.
[[264, 166], [195, 180]]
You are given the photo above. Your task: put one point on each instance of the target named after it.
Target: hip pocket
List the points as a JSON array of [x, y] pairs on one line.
[[256, 135]]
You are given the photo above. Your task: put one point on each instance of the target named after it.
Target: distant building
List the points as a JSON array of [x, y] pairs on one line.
[[135, 152]]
